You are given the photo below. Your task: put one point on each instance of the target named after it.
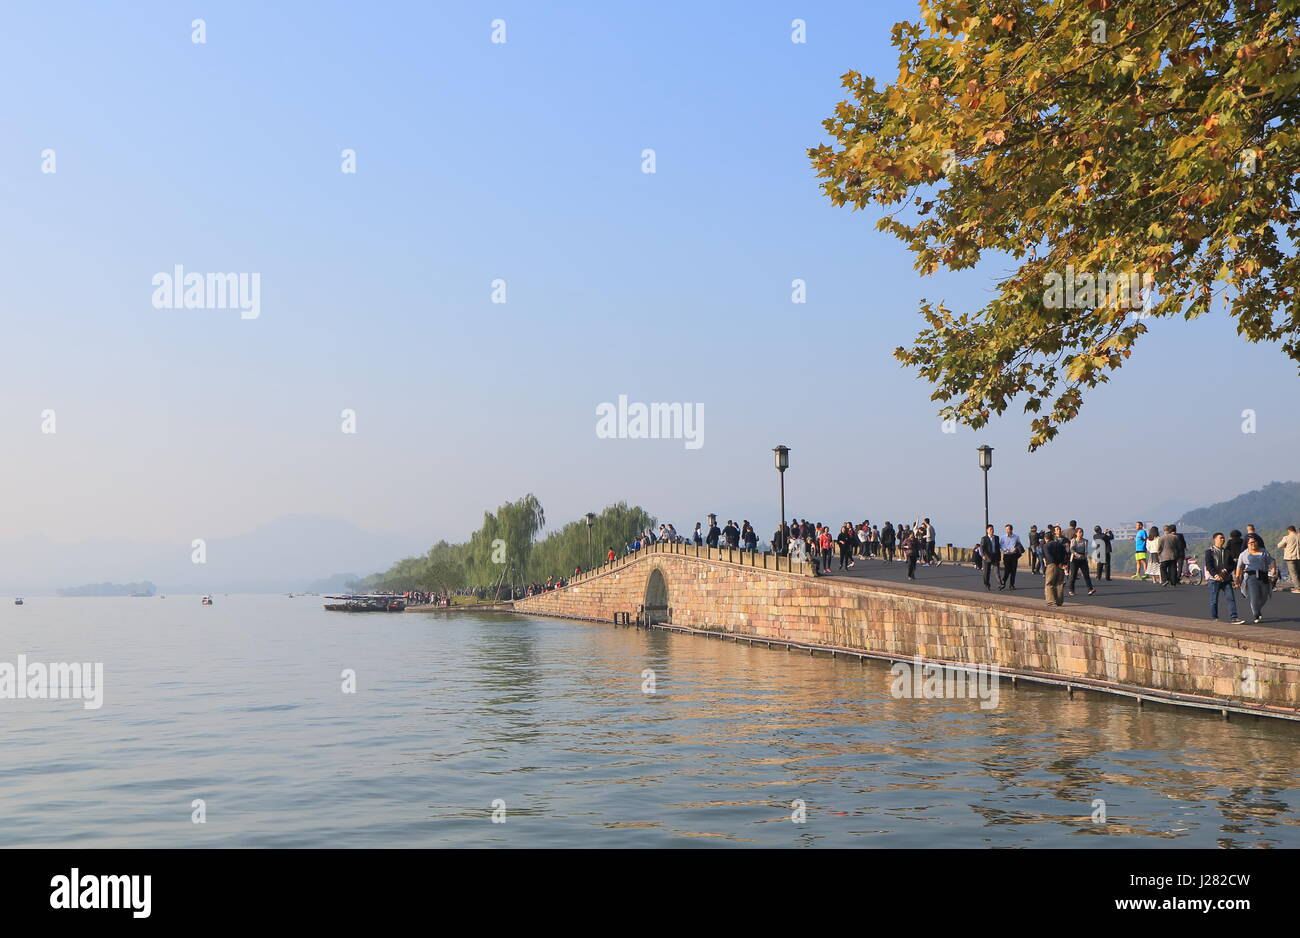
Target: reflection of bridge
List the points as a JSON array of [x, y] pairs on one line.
[[763, 598]]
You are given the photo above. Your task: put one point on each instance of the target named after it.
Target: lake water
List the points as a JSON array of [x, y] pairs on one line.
[[241, 705]]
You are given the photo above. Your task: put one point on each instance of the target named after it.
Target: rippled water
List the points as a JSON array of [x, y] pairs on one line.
[[240, 704]]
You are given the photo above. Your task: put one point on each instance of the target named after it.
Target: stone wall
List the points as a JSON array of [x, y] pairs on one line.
[[707, 590]]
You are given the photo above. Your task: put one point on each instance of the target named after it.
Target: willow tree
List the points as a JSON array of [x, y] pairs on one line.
[[1152, 138], [505, 537], [576, 545]]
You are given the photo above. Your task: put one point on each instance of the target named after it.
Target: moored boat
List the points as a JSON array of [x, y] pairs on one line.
[[366, 602]]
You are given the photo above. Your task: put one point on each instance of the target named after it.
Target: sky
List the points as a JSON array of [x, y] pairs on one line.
[[520, 161]]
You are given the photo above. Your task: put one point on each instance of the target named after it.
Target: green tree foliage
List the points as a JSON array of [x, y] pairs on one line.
[[568, 548], [506, 542], [1156, 137]]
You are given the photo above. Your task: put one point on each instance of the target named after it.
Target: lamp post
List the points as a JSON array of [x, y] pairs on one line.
[[591, 519], [782, 464], [986, 463]]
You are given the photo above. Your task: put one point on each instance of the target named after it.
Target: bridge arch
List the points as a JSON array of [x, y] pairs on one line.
[[655, 604]]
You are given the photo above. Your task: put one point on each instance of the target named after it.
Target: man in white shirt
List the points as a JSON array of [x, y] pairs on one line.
[[1011, 551]]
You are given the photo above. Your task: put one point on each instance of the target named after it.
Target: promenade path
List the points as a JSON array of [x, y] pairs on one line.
[[1128, 597]]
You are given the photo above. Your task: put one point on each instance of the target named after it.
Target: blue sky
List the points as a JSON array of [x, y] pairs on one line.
[[519, 161]]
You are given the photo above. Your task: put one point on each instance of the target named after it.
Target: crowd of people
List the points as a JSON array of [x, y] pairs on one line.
[[811, 542], [1232, 562]]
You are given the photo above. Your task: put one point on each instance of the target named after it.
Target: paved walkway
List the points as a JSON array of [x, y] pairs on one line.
[[1188, 603]]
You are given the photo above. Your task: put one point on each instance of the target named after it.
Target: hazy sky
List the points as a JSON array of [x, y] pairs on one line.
[[520, 161]]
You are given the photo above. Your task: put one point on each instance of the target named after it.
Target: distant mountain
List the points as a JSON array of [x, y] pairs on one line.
[[1174, 509], [338, 583], [1271, 508], [110, 589], [285, 555]]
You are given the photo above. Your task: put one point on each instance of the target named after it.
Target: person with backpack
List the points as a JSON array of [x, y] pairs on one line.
[[1011, 551]]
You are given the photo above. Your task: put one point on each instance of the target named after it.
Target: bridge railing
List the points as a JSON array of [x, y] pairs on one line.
[[759, 560]]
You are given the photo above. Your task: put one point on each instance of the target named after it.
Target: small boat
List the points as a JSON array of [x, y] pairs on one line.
[[18, 601], [207, 600]]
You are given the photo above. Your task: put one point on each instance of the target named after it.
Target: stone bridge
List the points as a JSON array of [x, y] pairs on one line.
[[764, 598]]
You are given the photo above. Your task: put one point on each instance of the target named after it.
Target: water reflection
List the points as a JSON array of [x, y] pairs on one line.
[[549, 717]]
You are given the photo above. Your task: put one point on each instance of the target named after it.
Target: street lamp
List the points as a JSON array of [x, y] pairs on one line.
[[986, 463], [591, 519], [782, 464]]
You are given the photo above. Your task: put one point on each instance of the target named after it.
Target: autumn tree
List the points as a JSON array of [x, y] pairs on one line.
[[1151, 138]]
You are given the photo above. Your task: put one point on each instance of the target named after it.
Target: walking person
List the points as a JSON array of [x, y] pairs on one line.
[[1219, 573], [1035, 548], [1180, 550], [1140, 552], [1234, 547], [1101, 551], [1079, 561], [1011, 551], [887, 541], [1255, 567], [912, 546], [1168, 558], [991, 557], [1290, 548], [1055, 558], [1154, 569], [847, 540], [930, 540], [826, 545]]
